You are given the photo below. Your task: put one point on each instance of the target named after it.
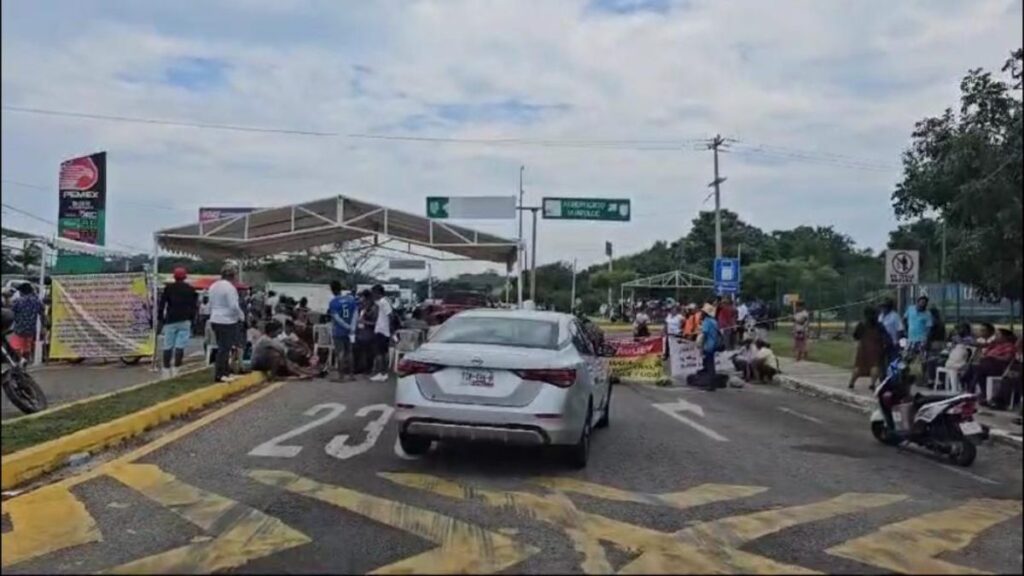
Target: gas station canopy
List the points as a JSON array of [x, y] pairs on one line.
[[331, 220]]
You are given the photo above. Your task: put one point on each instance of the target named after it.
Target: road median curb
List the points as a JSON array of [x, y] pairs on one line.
[[867, 405], [24, 465]]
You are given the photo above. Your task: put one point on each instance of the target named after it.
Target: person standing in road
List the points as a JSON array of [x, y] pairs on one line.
[[673, 327], [342, 311], [801, 327], [727, 322], [176, 312], [742, 315], [691, 328], [709, 342], [919, 324], [381, 334], [29, 320], [225, 315], [870, 337]]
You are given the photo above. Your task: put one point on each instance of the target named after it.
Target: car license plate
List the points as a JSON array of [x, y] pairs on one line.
[[478, 378], [970, 428]]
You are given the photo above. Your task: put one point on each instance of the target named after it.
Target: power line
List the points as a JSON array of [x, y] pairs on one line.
[[38, 218], [130, 202], [158, 122], [639, 144]]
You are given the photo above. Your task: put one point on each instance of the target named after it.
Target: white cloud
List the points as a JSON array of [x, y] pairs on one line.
[[848, 79]]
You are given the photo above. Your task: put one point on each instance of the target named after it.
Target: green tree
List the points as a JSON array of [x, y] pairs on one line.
[[966, 167]]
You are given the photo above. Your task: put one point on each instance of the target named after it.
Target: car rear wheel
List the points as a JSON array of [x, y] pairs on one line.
[[414, 445], [579, 453]]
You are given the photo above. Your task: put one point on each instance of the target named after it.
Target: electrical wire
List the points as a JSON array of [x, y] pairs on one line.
[[38, 218], [129, 202]]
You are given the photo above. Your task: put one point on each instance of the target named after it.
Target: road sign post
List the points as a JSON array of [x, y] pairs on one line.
[[605, 209], [727, 276], [902, 267]]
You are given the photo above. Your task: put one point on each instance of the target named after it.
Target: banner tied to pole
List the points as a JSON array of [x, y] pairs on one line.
[[101, 316], [638, 359]]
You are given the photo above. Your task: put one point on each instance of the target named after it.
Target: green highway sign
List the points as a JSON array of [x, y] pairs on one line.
[[471, 207], [609, 209], [437, 207]]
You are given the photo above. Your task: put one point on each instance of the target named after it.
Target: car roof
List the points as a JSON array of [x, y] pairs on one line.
[[557, 317]]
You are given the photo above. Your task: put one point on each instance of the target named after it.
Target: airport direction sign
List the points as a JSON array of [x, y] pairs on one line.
[[602, 209]]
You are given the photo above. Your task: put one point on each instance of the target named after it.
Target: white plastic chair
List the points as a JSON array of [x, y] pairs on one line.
[[323, 339], [948, 379], [407, 341]]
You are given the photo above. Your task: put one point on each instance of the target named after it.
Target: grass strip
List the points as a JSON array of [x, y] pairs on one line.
[[22, 434]]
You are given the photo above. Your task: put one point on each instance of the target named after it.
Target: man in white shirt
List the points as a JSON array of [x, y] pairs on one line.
[[742, 314], [381, 334], [673, 327], [225, 317]]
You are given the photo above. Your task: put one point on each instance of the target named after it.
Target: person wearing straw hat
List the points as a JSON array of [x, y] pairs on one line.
[[709, 340]]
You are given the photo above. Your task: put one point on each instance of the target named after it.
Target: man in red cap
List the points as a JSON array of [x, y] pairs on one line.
[[176, 312]]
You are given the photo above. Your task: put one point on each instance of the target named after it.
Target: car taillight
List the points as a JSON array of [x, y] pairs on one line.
[[411, 367], [563, 378]]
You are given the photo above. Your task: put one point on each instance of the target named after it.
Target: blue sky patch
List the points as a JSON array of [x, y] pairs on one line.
[[196, 74]]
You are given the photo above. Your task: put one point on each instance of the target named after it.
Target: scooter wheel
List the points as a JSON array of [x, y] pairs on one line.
[[881, 433], [964, 453]]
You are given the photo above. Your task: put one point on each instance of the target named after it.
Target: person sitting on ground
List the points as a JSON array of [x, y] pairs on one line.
[[765, 365], [870, 336], [743, 359], [994, 361], [272, 356]]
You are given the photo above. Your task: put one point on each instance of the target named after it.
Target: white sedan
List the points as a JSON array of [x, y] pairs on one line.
[[513, 377]]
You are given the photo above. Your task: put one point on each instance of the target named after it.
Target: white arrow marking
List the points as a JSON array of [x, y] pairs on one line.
[[799, 415], [672, 409]]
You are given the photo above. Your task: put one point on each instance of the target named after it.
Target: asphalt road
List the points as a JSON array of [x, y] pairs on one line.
[[306, 478]]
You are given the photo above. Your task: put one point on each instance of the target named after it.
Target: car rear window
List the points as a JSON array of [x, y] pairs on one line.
[[518, 332]]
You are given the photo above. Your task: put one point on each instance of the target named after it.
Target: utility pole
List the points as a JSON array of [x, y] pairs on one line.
[[521, 251], [533, 256], [610, 260], [716, 143], [572, 297]]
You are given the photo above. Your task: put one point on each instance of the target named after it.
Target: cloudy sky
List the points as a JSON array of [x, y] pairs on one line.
[[820, 95]]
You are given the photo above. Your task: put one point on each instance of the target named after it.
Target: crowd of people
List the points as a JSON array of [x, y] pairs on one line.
[[280, 336]]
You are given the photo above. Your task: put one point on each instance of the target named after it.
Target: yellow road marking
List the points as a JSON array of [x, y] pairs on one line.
[[44, 521], [709, 547], [696, 496], [464, 548], [911, 546], [721, 539], [241, 534]]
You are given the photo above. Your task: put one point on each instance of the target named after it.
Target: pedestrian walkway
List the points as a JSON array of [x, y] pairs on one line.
[[830, 382]]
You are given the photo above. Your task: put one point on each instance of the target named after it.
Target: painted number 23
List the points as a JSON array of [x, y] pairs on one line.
[[338, 446]]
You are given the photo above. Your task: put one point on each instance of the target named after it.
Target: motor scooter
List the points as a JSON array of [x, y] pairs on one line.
[[941, 423]]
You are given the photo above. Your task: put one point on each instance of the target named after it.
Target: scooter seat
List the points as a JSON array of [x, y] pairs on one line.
[[925, 399]]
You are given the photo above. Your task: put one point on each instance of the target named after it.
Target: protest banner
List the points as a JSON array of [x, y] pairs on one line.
[[685, 358], [101, 316], [638, 359]]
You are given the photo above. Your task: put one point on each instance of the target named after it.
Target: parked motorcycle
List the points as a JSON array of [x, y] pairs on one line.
[[19, 386], [941, 423]]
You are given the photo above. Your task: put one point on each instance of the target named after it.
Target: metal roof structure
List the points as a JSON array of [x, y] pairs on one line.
[[332, 220], [671, 280]]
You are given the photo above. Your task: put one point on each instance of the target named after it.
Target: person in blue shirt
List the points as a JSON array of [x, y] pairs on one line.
[[919, 324], [342, 310], [890, 320], [709, 336]]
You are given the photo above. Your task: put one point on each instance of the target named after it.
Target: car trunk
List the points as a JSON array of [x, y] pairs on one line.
[[486, 375]]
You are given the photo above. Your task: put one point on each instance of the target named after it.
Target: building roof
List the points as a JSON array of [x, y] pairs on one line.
[[331, 220]]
